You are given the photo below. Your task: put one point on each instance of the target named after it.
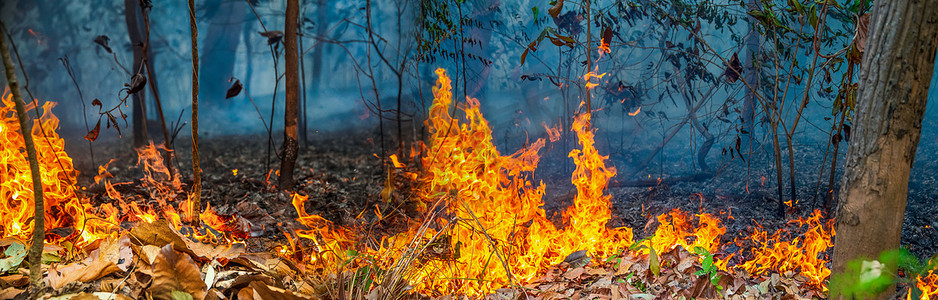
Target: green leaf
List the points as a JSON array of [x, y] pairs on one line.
[[708, 263], [653, 263], [535, 10], [49, 257], [15, 253], [180, 295]]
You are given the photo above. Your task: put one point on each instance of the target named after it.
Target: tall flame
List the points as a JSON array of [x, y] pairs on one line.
[[63, 208]]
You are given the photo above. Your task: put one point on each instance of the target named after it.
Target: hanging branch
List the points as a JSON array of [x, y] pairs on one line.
[[196, 195], [35, 250]]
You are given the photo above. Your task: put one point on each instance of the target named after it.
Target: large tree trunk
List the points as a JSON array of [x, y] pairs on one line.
[[134, 19], [290, 144], [896, 71]]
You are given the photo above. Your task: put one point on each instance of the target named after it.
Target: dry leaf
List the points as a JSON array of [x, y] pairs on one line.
[[149, 253], [159, 234], [574, 273], [10, 293], [246, 294], [863, 25], [80, 271], [267, 292], [175, 271]]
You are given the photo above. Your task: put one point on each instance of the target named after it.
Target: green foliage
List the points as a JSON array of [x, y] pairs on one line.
[[708, 268], [180, 295], [865, 278], [15, 253]]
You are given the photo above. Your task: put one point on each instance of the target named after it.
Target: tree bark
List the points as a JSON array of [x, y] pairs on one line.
[[134, 18], [26, 128], [196, 195], [290, 144], [895, 74]]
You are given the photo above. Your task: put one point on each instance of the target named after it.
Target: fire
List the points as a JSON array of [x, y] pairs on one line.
[[485, 229], [928, 284], [801, 254], [62, 205]]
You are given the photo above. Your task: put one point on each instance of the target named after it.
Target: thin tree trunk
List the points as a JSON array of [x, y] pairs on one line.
[[26, 128], [132, 16], [303, 115], [893, 89], [148, 58], [290, 144], [196, 195]]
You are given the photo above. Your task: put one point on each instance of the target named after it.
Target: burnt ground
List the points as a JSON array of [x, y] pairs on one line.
[[343, 177]]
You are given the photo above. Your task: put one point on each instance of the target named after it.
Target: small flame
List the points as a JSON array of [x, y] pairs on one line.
[[635, 113]]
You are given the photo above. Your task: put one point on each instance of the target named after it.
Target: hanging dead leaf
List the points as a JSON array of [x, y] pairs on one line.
[[93, 134], [733, 70], [103, 40], [137, 83], [174, 271], [554, 11], [863, 25], [234, 90], [272, 36]]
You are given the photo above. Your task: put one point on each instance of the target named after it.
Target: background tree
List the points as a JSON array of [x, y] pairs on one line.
[[136, 32], [893, 90], [290, 142]]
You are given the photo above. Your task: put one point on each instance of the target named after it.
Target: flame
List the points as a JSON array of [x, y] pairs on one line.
[[552, 133], [487, 230], [928, 284], [62, 205], [635, 113], [801, 254], [589, 84]]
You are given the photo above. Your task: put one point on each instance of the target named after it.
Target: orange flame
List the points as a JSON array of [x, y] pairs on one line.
[[62, 205], [773, 253]]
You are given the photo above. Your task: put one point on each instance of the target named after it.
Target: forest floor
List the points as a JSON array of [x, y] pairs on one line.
[[342, 175]]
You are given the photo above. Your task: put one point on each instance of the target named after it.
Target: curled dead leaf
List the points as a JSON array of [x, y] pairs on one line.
[[176, 271]]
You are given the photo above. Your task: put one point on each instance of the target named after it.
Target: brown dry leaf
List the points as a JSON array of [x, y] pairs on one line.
[[863, 25], [211, 252], [624, 266], [80, 271], [686, 262], [175, 271], [159, 234], [149, 253], [246, 294], [84, 296], [10, 293], [13, 280], [574, 273]]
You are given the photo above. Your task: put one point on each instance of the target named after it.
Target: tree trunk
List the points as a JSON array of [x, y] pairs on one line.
[[134, 19], [196, 195], [26, 128], [894, 79], [290, 144]]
